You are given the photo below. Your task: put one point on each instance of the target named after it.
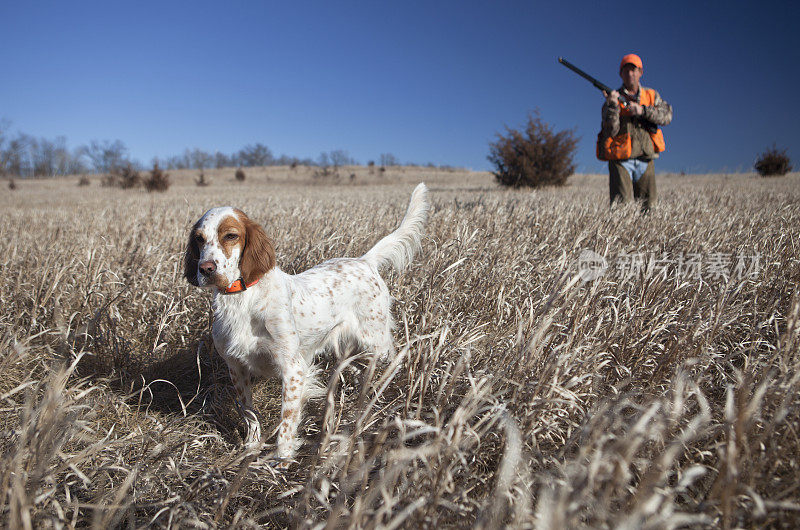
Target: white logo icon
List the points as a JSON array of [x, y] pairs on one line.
[[591, 265]]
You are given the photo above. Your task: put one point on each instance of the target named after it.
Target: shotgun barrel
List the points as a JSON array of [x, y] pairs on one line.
[[623, 102], [592, 80]]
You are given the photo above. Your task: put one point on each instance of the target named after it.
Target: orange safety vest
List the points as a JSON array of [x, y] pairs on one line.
[[620, 147]]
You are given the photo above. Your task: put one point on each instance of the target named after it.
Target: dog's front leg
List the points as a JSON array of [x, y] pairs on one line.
[[244, 400]]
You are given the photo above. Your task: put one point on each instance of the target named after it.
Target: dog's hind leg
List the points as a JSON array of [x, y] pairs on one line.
[[293, 393], [375, 335]]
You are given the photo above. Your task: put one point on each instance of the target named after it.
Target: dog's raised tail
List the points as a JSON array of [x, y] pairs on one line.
[[398, 248]]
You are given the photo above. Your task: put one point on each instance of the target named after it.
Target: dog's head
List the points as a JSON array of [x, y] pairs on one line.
[[225, 245]]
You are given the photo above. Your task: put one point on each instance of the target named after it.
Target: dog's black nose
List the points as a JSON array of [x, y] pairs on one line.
[[207, 268]]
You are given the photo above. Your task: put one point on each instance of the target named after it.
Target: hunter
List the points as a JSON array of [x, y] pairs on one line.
[[630, 139]]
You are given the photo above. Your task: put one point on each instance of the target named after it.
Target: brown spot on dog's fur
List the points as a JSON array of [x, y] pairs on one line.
[[191, 257], [230, 234], [258, 254]]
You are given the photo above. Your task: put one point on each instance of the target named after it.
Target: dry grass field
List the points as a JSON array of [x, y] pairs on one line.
[[665, 393]]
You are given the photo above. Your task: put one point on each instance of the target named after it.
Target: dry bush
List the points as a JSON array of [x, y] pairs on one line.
[[84, 181], [12, 184], [521, 396], [129, 177], [157, 181], [773, 163], [125, 177], [325, 173], [201, 180], [535, 157], [240, 176]]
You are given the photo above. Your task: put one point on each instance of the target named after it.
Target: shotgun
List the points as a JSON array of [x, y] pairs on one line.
[[597, 84], [623, 101]]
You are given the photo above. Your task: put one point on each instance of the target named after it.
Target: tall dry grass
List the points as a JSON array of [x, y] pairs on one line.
[[521, 396]]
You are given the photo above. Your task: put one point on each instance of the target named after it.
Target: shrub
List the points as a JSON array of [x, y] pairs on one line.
[[157, 181], [201, 180], [128, 177], [84, 181], [325, 172], [125, 177], [240, 176], [535, 157], [773, 163], [12, 185]]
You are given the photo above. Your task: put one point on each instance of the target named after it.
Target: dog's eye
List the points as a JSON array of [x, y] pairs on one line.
[[231, 237], [199, 239]]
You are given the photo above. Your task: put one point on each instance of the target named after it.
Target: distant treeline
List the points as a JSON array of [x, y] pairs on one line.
[[24, 155]]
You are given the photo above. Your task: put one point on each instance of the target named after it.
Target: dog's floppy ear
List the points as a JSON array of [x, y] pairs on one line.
[[258, 255], [191, 259]]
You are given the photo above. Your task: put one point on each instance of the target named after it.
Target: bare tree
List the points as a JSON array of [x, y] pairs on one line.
[[5, 125], [28, 156], [67, 162], [187, 158], [256, 155], [324, 162], [42, 154], [106, 156], [222, 160], [388, 159], [340, 157], [176, 162], [200, 159], [18, 155], [285, 160]]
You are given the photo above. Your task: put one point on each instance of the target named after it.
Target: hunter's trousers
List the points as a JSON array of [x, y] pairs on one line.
[[623, 188]]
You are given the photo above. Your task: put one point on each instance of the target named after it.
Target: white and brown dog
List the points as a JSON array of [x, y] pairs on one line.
[[269, 323]]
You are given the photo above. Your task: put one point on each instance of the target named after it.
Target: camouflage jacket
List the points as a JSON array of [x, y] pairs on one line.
[[660, 113]]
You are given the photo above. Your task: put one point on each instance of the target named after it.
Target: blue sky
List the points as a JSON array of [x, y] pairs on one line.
[[426, 81]]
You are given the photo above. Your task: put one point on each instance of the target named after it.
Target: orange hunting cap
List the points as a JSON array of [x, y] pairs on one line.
[[631, 58]]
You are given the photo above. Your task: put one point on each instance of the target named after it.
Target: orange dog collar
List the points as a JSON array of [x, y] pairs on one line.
[[239, 286]]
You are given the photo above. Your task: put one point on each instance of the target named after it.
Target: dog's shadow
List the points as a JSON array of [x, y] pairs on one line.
[[193, 382], [196, 382]]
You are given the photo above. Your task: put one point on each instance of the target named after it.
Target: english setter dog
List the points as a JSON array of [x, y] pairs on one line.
[[270, 323]]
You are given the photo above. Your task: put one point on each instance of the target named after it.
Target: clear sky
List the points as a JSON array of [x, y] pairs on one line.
[[425, 81]]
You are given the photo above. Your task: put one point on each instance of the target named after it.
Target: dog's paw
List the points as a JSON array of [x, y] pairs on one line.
[[275, 462], [281, 464], [253, 446]]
